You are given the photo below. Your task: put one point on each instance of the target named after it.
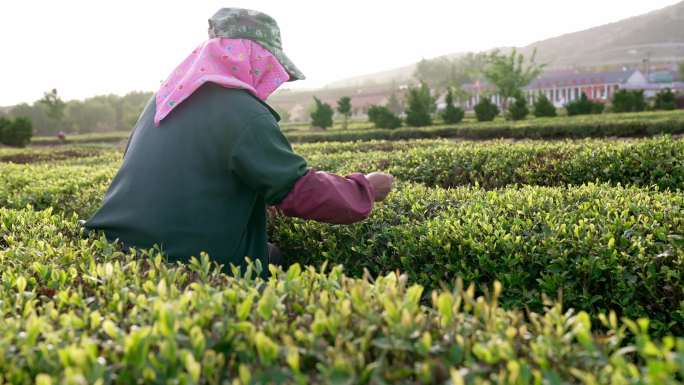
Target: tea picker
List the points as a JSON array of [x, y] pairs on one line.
[[207, 156]]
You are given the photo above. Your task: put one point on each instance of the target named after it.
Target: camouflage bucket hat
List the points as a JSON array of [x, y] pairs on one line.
[[238, 23]]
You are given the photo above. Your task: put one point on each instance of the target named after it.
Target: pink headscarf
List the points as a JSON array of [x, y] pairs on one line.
[[231, 63]]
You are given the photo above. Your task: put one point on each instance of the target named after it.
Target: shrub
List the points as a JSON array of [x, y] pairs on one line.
[[451, 113], [4, 124], [619, 125], [17, 133], [485, 110], [544, 108], [322, 115], [420, 106], [82, 311], [665, 100], [603, 247], [383, 117], [518, 110], [629, 101], [584, 106], [651, 162]]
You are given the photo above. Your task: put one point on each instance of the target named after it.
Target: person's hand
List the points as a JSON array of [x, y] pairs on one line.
[[382, 184]]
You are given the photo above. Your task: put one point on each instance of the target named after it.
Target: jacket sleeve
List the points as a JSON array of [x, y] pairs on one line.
[[263, 159], [330, 198]]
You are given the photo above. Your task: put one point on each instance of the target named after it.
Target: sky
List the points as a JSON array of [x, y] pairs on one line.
[[91, 47]]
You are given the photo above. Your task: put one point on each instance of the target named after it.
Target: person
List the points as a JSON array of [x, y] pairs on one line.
[[207, 156]]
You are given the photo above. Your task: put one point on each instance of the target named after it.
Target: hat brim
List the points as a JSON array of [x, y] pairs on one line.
[[290, 67]]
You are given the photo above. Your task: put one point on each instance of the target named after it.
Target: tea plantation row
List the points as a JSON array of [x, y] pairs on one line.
[[76, 310], [605, 247], [646, 162]]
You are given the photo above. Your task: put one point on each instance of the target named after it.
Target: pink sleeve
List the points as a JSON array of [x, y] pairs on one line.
[[329, 198]]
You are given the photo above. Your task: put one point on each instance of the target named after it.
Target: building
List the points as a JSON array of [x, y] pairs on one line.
[[562, 88]]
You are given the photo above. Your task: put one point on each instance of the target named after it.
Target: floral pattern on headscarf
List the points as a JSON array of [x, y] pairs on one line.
[[231, 63]]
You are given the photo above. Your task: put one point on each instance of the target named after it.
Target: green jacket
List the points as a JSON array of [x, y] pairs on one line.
[[201, 181]]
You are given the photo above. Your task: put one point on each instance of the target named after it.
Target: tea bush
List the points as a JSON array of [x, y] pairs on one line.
[[647, 162], [79, 311], [603, 247]]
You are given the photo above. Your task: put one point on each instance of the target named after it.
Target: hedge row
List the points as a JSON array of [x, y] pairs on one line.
[[78, 311], [521, 236], [624, 125], [601, 246], [619, 125], [646, 162]]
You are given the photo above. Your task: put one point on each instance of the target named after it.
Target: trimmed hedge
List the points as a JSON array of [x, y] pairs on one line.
[[607, 125], [603, 247], [658, 162], [77, 311], [618, 125]]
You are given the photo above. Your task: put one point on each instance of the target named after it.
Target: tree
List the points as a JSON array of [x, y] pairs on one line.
[[420, 105], [321, 115], [681, 70], [394, 105], [344, 108], [665, 100], [382, 117], [544, 108], [629, 101], [447, 72], [55, 107], [510, 73], [518, 110], [452, 114], [584, 106], [17, 133], [4, 124], [485, 110]]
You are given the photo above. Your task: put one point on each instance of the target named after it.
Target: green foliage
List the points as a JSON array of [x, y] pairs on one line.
[[510, 74], [4, 124], [451, 113], [421, 104], [55, 107], [395, 105], [16, 133], [629, 101], [444, 72], [584, 106], [485, 110], [665, 100], [518, 110], [648, 162], [80, 310], [681, 71], [344, 108], [603, 247], [595, 126], [382, 117], [544, 108], [104, 113], [322, 115]]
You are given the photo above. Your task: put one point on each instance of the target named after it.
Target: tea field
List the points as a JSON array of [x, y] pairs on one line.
[[492, 262]]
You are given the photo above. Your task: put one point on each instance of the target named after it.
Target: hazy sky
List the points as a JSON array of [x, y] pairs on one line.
[[84, 48]]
